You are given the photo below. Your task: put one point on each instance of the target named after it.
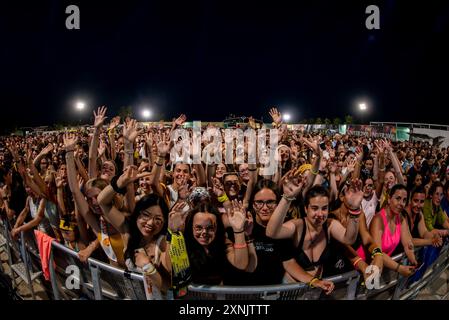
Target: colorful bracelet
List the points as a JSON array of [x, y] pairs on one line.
[[240, 246], [354, 213], [356, 262], [376, 252], [223, 198], [311, 282]]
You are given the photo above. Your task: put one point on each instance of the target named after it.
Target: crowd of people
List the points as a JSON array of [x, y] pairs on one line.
[[334, 204]]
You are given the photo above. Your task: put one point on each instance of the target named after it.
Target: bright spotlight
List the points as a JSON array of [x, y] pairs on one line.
[[80, 105], [362, 106], [146, 113], [286, 117]]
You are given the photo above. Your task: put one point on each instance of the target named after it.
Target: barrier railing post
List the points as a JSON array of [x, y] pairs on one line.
[[95, 273], [352, 287], [54, 283], [27, 264]]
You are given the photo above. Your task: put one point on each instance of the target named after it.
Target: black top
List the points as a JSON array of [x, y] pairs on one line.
[[415, 229], [301, 257], [207, 269], [269, 268]]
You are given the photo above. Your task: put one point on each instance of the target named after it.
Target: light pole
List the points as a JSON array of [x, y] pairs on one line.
[[146, 114], [362, 108], [80, 106]]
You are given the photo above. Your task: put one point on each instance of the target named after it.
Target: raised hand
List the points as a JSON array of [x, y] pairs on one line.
[[180, 120], [143, 165], [130, 130], [99, 116], [130, 175], [70, 140], [163, 146], [351, 165], [101, 148], [237, 216], [359, 154], [292, 183], [114, 123], [333, 166], [312, 144], [380, 145], [354, 194], [249, 223], [49, 148], [59, 180], [275, 115], [217, 188], [183, 190], [177, 216], [251, 122], [149, 138]]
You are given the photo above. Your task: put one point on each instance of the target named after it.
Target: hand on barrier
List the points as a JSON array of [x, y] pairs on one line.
[[84, 254], [325, 285], [406, 271]]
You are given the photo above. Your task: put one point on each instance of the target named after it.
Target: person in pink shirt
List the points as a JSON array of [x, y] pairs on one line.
[[389, 228]]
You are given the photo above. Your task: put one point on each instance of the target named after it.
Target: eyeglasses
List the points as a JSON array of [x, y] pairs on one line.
[[199, 229], [369, 185], [271, 204], [230, 183], [156, 220]]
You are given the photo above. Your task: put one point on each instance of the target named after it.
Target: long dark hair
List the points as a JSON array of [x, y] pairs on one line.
[[217, 248], [263, 184], [315, 191], [135, 237]]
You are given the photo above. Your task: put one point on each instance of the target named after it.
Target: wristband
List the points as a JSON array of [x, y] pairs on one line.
[[239, 231], [149, 269], [240, 246], [376, 251], [223, 198], [354, 213], [356, 262], [288, 198], [115, 187], [312, 282]]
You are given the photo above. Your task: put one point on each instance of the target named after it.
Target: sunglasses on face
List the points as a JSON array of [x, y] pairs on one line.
[[229, 184], [271, 204]]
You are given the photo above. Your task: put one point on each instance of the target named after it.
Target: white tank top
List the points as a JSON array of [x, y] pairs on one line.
[[369, 208], [44, 225]]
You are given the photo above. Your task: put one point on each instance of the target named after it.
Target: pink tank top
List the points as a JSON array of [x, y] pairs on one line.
[[390, 241]]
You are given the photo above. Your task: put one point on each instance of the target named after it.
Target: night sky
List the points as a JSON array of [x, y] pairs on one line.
[[211, 58]]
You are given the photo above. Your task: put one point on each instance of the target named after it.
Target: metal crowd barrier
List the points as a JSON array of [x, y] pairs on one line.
[[345, 289], [100, 281], [96, 280]]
